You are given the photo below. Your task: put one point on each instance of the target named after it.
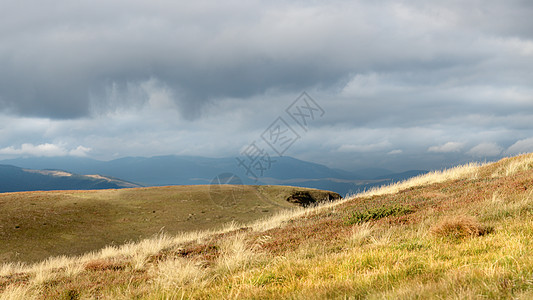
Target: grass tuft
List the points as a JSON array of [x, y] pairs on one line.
[[70, 295], [460, 227]]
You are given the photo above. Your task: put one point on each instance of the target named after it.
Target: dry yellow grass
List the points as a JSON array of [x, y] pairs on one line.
[[511, 165], [469, 171]]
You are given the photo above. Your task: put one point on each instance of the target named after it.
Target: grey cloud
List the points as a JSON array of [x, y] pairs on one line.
[[446, 148], [55, 60], [521, 146], [486, 150]]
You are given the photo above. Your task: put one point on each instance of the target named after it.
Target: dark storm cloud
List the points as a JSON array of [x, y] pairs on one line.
[[57, 57], [54, 60]]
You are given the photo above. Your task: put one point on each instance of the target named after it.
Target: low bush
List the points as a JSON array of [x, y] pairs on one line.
[[358, 217]]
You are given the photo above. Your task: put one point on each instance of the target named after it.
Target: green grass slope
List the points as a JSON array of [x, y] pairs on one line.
[[464, 233], [36, 225]]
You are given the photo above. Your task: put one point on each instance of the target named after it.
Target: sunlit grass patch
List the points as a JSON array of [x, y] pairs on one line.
[[500, 206], [512, 165]]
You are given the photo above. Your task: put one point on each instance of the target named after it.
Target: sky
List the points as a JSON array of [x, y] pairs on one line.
[[395, 84]]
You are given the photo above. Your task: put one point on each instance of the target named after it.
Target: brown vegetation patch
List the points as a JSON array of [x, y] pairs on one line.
[[403, 220], [207, 252], [94, 283], [103, 265], [17, 279], [311, 230], [460, 227]]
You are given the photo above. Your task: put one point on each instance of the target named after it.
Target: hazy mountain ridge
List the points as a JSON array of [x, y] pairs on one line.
[[15, 179], [187, 170]]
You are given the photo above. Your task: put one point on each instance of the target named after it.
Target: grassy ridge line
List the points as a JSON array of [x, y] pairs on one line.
[[391, 261]]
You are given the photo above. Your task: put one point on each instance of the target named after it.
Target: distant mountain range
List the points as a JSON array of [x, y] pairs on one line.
[[15, 179], [191, 170]]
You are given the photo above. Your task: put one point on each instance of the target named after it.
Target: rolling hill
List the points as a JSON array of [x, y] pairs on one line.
[[36, 225], [463, 233]]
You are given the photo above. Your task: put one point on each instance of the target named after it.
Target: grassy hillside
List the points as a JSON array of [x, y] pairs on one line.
[[36, 225], [462, 233]]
